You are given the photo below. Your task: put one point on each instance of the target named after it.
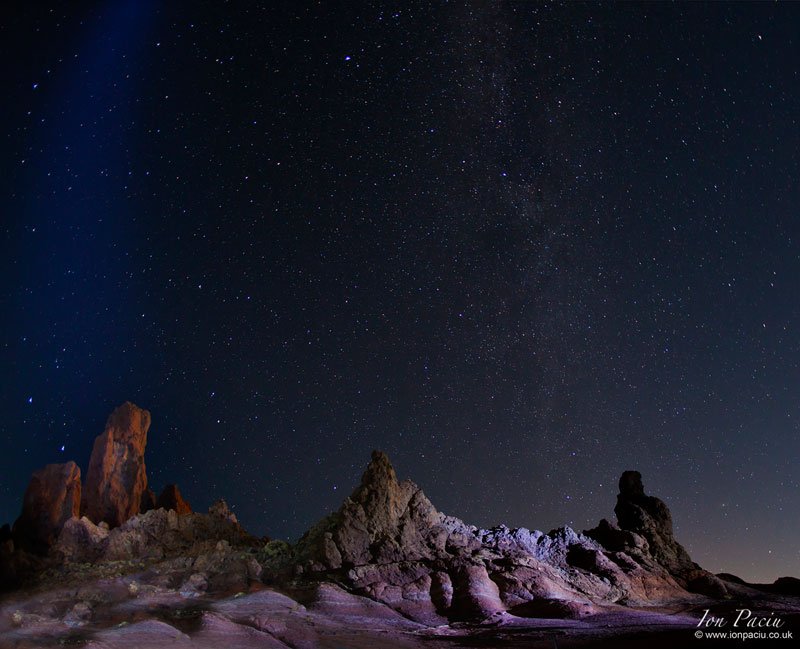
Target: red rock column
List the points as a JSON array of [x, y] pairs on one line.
[[116, 479]]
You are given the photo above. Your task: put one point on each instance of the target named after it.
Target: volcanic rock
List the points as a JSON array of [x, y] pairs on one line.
[[52, 498], [171, 498], [116, 479]]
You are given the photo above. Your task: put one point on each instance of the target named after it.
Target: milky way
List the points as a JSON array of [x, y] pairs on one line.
[[519, 247]]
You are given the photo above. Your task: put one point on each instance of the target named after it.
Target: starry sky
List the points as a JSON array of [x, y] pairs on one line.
[[520, 247]]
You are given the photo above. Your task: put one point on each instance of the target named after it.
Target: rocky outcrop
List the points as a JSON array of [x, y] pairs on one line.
[[171, 498], [116, 479], [383, 521], [157, 534], [650, 518], [52, 498], [388, 542]]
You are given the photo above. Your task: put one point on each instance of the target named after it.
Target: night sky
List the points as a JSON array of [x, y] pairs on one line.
[[520, 247]]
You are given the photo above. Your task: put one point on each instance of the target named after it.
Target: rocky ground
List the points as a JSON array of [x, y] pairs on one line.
[[114, 566], [217, 600]]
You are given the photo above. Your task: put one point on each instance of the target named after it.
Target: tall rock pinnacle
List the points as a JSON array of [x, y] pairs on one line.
[[650, 517], [116, 479]]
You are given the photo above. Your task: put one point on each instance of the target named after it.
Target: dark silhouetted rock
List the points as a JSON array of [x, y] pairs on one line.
[[148, 501], [726, 576], [52, 498], [787, 586], [171, 498], [116, 479], [650, 518]]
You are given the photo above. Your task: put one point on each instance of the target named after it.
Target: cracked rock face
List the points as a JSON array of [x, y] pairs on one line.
[[116, 480]]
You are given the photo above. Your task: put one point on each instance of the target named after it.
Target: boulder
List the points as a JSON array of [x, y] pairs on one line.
[[52, 498], [171, 498], [116, 480], [475, 595]]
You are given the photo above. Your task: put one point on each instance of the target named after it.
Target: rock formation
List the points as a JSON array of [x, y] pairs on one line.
[[171, 498], [52, 498], [116, 479], [387, 542], [157, 534], [650, 518], [391, 544]]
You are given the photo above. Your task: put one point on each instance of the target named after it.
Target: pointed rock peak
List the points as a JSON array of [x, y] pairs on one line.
[[171, 498], [148, 501], [380, 472], [630, 485]]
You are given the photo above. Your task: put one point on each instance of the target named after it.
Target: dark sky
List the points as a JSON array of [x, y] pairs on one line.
[[520, 247]]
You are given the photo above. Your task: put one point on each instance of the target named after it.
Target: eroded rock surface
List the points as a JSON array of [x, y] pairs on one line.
[[650, 518], [390, 543], [154, 535], [116, 479]]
